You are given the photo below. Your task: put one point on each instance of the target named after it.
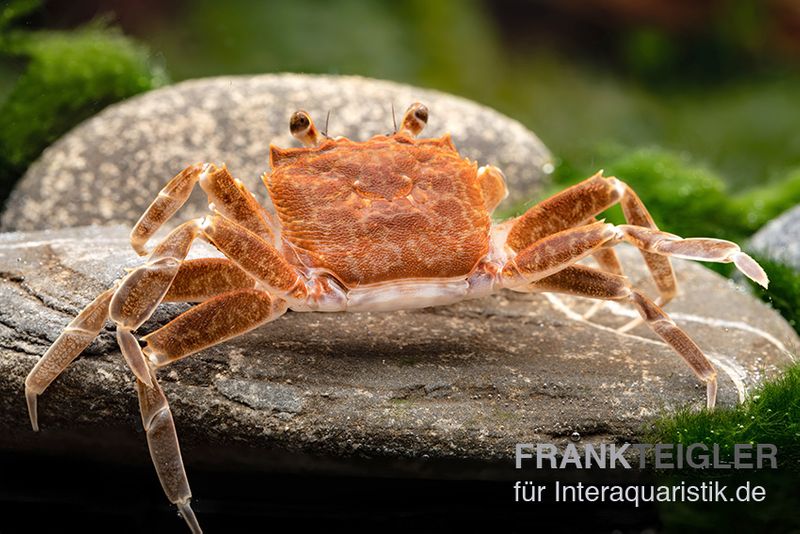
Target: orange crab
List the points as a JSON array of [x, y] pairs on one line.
[[391, 223]]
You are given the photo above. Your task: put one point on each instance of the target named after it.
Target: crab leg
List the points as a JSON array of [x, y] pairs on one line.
[[143, 289], [256, 257], [696, 248], [225, 194], [168, 201], [584, 281], [583, 201], [211, 322], [128, 304], [567, 209], [231, 198], [555, 252], [204, 278], [660, 267], [162, 440], [72, 341], [606, 258]]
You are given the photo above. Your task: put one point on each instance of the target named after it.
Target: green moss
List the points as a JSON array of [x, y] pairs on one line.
[[760, 205], [770, 415], [68, 77]]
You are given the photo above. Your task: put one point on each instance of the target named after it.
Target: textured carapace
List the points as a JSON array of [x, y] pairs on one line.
[[389, 208]]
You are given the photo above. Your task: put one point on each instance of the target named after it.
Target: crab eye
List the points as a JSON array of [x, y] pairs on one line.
[[299, 122], [421, 113], [414, 120], [302, 127]]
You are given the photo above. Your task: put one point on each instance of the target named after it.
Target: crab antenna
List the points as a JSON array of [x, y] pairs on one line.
[[394, 119], [327, 120], [303, 129], [414, 120]]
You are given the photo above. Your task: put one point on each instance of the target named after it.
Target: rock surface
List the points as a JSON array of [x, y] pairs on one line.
[[463, 382], [109, 169], [780, 238]]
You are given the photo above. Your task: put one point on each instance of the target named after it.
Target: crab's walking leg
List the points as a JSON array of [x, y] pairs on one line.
[[162, 440], [204, 278], [608, 261], [555, 252], [72, 341], [129, 304], [225, 194], [590, 197], [583, 201], [694, 248], [587, 282], [168, 201], [143, 289], [229, 196], [256, 257], [660, 267], [211, 322]]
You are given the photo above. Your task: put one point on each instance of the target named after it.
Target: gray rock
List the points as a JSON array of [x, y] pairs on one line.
[[780, 239], [108, 169], [464, 382]]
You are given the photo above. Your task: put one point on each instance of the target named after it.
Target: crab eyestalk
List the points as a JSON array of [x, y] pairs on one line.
[[414, 120], [303, 129]]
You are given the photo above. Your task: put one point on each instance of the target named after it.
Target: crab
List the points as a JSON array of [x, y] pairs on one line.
[[395, 222]]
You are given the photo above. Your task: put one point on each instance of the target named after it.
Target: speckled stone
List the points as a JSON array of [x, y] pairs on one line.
[[108, 169], [780, 239], [315, 390]]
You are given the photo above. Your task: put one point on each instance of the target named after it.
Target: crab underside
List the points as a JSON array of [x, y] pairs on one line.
[[395, 222]]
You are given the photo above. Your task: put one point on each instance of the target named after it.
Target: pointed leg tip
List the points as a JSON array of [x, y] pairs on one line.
[[750, 268], [185, 509], [31, 398], [711, 394]]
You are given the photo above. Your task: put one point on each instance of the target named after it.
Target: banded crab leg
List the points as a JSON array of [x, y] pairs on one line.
[[584, 281], [583, 201], [554, 252], [226, 194], [578, 204], [73, 340], [551, 255], [204, 278], [129, 304], [239, 308]]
